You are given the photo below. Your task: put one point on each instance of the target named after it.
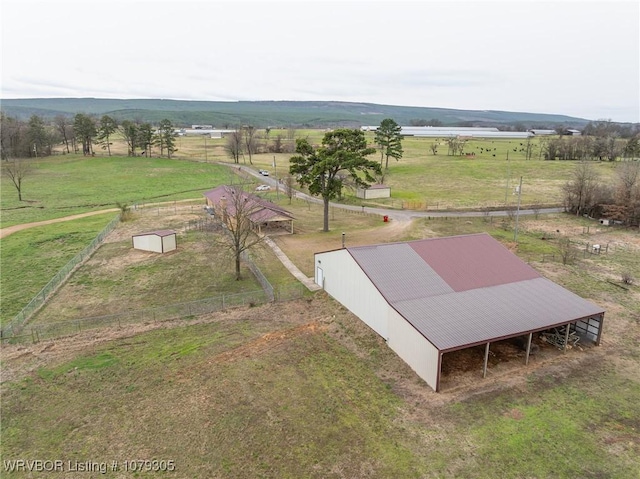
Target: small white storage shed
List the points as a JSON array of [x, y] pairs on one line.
[[373, 192], [161, 241]]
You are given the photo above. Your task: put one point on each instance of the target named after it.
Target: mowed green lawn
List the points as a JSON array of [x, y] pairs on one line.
[[71, 184]]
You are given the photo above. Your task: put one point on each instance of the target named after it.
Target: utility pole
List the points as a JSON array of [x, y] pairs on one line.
[[515, 235], [506, 190], [275, 173]]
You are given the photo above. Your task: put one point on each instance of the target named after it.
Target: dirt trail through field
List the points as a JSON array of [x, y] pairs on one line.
[[13, 229]]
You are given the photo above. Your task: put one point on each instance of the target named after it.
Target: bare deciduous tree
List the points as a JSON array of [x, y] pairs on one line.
[[288, 184], [249, 134], [65, 129], [233, 146], [627, 192], [235, 214], [17, 170], [580, 191], [568, 253]]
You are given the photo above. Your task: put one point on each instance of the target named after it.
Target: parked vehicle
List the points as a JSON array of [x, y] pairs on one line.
[[264, 172], [263, 188]]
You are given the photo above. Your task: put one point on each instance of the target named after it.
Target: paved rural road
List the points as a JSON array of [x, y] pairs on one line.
[[398, 215]]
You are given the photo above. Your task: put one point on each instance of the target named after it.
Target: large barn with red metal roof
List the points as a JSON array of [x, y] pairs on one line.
[[434, 296]]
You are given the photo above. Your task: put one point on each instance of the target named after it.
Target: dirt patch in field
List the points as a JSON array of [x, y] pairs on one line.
[[566, 227]]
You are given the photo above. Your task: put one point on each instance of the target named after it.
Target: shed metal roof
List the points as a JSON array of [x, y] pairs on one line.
[[157, 233], [465, 290]]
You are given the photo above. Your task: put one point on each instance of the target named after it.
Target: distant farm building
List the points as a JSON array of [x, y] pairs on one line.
[[265, 216], [373, 192], [455, 132], [538, 132], [161, 241], [211, 133], [432, 297]]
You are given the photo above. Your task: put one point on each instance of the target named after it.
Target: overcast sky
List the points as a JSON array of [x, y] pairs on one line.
[[566, 57]]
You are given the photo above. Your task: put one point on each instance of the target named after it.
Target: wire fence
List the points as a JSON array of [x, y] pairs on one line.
[[425, 205], [13, 327], [189, 310]]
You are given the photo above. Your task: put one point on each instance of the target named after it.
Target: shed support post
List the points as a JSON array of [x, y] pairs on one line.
[[486, 360], [600, 325], [566, 339], [526, 361]]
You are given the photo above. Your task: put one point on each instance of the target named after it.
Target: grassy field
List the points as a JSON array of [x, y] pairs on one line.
[[302, 389], [30, 258], [70, 184], [309, 391], [439, 181]]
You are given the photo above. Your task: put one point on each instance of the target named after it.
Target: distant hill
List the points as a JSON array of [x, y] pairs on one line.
[[300, 114]]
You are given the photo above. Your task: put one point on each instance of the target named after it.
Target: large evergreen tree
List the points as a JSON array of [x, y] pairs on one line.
[[320, 169], [146, 138], [130, 134], [107, 127], [84, 128], [389, 140], [38, 138], [166, 138]]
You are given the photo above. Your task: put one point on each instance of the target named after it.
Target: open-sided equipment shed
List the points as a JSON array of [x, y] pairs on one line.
[[434, 296]]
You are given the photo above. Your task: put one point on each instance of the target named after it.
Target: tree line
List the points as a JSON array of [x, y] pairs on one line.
[[81, 134], [601, 148], [586, 193]]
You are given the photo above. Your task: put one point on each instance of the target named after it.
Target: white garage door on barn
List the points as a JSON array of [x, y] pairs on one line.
[[161, 241]]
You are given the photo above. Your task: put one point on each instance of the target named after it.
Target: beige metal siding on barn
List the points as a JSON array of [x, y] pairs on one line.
[[413, 348], [345, 281]]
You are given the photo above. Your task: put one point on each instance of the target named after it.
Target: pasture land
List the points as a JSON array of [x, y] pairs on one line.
[[487, 177], [30, 258], [304, 389], [65, 185]]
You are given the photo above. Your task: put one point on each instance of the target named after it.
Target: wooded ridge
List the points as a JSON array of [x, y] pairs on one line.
[[262, 114]]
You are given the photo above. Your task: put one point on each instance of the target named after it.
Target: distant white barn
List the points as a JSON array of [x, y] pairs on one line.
[[161, 241], [455, 132], [374, 191]]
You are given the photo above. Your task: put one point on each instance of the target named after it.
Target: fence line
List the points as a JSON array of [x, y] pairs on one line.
[[60, 277], [416, 205], [39, 332]]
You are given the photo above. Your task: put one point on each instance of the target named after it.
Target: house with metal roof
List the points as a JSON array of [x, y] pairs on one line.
[[430, 297], [264, 215]]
